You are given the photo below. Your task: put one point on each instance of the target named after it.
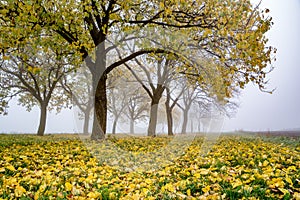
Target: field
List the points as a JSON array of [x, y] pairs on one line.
[[65, 167]]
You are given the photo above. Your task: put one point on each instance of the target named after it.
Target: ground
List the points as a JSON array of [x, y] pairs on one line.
[[70, 167]]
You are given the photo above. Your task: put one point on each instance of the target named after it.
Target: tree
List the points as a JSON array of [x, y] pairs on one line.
[[33, 80], [137, 107], [79, 88], [117, 104], [189, 95], [157, 77], [170, 106], [232, 33]]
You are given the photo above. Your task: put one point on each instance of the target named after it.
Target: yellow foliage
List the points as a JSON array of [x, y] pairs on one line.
[[68, 186], [206, 189], [19, 191]]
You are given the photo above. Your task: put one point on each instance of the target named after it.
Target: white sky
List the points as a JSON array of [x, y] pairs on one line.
[[281, 110], [258, 111]]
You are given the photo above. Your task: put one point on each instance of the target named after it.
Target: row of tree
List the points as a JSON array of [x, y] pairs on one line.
[[218, 46], [51, 83]]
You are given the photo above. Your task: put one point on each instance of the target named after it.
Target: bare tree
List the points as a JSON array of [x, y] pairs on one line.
[[137, 107], [79, 88], [117, 101]]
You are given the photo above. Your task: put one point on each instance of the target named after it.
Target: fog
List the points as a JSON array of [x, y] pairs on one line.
[[257, 111], [281, 110]]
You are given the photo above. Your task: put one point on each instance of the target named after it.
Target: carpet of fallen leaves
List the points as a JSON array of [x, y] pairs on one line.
[[62, 167]]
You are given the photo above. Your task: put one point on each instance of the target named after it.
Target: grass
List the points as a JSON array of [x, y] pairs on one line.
[[65, 167]]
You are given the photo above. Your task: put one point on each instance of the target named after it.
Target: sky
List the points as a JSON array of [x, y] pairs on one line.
[[281, 110], [258, 111]]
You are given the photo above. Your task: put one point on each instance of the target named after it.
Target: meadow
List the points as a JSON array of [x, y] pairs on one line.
[[65, 167]]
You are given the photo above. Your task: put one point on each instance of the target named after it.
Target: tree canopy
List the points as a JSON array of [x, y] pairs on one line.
[[220, 44]]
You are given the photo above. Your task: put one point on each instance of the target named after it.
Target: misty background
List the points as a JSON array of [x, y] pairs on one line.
[[258, 111]]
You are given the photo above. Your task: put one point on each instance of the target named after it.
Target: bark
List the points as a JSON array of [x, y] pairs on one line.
[[185, 121], [169, 117], [100, 111], [86, 122], [153, 117], [132, 126], [115, 125], [99, 87], [43, 117]]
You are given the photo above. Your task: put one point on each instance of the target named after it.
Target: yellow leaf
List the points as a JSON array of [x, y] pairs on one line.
[[94, 195], [145, 191], [131, 186], [136, 197], [289, 180], [206, 189], [188, 192], [296, 196], [7, 158], [68, 186], [197, 175], [284, 191], [39, 173], [148, 181], [19, 191], [161, 4], [204, 171], [169, 187], [237, 183], [76, 171], [11, 168], [36, 196], [265, 163]]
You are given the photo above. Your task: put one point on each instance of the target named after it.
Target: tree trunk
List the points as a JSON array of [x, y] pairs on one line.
[[185, 121], [153, 118], [99, 88], [43, 117], [115, 125], [132, 126], [100, 111], [169, 119], [86, 122]]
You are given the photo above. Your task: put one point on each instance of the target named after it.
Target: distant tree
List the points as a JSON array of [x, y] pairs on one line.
[[117, 104], [137, 107], [33, 79], [188, 97], [174, 91], [78, 86], [156, 78]]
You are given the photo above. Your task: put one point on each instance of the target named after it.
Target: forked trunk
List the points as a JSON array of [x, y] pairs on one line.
[[43, 117]]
